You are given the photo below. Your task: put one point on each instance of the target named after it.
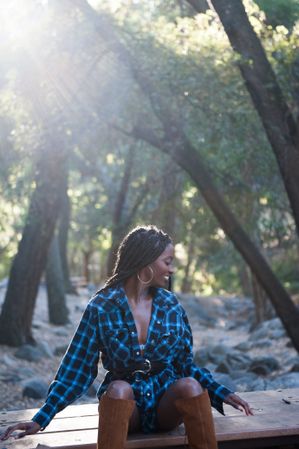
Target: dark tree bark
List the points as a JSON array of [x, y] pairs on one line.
[[245, 279], [30, 261], [63, 229], [57, 308], [86, 264], [118, 225], [279, 123], [165, 215], [263, 308], [187, 281]]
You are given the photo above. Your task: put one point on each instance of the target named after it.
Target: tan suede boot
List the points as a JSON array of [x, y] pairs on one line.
[[114, 417], [198, 419]]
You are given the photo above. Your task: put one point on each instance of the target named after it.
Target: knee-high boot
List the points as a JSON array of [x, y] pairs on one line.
[[198, 419], [114, 417]]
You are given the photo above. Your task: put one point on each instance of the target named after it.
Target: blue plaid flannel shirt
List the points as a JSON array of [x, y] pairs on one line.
[[107, 328]]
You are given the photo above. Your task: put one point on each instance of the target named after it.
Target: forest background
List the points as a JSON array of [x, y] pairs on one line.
[[116, 113]]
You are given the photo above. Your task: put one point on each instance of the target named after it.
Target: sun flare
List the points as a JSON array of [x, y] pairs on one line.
[[21, 21]]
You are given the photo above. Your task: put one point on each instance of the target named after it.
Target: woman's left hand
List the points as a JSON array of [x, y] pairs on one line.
[[235, 401]]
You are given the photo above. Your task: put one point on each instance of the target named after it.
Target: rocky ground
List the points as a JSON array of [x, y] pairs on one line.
[[239, 357]]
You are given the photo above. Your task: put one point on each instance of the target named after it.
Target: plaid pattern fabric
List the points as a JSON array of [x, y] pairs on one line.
[[107, 328]]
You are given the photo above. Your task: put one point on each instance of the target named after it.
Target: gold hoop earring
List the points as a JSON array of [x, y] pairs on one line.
[[149, 281]]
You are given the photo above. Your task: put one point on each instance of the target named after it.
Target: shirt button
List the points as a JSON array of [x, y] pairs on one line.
[[152, 342], [158, 322], [148, 395], [137, 352], [132, 333]]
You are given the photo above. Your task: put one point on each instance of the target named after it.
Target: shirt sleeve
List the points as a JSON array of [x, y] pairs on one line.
[[186, 367], [77, 371]]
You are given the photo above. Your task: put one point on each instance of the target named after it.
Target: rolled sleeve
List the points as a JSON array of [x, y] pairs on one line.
[[77, 370]]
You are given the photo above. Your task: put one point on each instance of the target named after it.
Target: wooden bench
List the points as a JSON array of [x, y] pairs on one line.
[[275, 424]]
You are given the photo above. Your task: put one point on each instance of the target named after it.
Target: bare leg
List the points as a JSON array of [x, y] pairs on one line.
[[119, 389], [167, 413]]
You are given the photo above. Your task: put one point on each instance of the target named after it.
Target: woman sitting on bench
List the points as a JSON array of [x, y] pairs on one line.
[[143, 336]]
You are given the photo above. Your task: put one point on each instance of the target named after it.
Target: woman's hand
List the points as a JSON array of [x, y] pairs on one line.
[[235, 401], [29, 428]]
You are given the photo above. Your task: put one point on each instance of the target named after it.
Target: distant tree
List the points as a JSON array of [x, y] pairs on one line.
[[57, 308]]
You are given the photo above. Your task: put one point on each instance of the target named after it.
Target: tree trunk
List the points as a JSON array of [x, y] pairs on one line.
[[63, 229], [187, 281], [164, 216], [263, 309], [176, 144], [86, 263], [118, 228], [281, 128], [245, 280], [58, 311], [30, 261]]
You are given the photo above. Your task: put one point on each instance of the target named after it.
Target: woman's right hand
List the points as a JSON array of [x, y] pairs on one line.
[[29, 428]]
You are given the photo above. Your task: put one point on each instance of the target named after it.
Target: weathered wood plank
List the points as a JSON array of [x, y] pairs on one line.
[[275, 422]]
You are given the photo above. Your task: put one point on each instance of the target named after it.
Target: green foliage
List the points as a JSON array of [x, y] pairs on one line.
[[89, 96], [280, 12]]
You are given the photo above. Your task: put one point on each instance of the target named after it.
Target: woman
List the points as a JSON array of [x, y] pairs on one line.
[[145, 342]]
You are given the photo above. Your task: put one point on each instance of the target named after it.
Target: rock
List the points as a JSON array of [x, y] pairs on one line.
[[61, 332], [218, 353], [263, 343], [250, 382], [223, 367], [8, 361], [35, 388], [259, 333], [269, 329], [45, 349], [264, 365], [225, 380], [29, 352], [201, 357], [294, 364], [92, 391], [238, 361], [235, 360], [60, 350], [243, 346], [289, 380]]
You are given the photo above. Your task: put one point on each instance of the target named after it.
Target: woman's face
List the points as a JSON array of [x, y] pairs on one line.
[[163, 267]]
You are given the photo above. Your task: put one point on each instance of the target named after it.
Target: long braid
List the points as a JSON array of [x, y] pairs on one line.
[[142, 246]]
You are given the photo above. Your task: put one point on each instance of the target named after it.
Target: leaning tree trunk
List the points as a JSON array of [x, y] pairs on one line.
[[279, 123], [57, 308], [30, 261], [182, 151], [176, 144]]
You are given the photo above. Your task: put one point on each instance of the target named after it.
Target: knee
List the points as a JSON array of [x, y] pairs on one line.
[[119, 389], [188, 387]]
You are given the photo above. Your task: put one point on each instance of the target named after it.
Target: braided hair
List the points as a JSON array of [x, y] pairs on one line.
[[140, 247]]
